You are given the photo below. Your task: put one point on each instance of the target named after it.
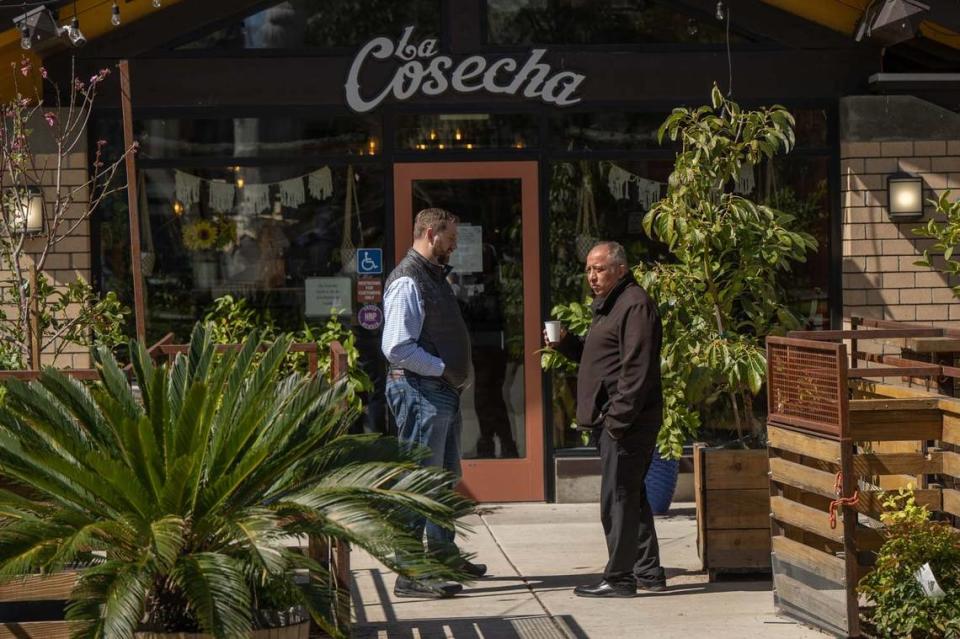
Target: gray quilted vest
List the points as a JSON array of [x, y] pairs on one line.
[[444, 332]]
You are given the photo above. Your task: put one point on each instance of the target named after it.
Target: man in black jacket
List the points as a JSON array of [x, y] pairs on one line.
[[619, 396]]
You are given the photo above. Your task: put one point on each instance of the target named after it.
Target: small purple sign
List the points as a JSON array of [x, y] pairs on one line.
[[370, 317]]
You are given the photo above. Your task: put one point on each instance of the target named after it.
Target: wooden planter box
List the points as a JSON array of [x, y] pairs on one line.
[[41, 600], [32, 607], [733, 509]]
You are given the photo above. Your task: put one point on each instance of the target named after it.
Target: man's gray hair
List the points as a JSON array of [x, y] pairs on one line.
[[615, 252]]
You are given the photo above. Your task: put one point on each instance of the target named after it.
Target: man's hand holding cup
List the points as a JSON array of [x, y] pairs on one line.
[[553, 333]]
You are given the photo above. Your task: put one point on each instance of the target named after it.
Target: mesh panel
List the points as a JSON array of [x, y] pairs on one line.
[[804, 387]]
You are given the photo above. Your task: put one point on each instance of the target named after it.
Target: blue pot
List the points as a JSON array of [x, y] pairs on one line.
[[661, 482]]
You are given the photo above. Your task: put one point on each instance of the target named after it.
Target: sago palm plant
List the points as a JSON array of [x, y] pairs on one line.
[[182, 503]]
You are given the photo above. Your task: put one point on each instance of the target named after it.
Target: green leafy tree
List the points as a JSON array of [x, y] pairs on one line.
[[900, 607], [945, 234], [188, 494]]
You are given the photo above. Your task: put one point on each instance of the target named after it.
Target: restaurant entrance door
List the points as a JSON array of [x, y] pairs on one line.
[[496, 278]]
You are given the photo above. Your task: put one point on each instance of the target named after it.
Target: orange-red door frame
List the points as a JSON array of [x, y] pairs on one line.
[[491, 480]]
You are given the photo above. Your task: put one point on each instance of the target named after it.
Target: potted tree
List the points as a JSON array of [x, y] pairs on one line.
[[179, 506], [719, 297]]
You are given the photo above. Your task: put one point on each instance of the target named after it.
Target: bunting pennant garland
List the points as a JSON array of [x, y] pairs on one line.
[[746, 181], [222, 195], [292, 193], [621, 183], [255, 197], [320, 184], [187, 188]]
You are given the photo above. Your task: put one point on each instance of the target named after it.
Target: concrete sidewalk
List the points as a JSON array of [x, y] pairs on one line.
[[536, 554]]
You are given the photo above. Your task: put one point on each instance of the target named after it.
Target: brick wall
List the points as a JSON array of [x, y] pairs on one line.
[[880, 279], [70, 258]]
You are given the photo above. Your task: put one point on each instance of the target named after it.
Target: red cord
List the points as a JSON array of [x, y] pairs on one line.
[[841, 501]]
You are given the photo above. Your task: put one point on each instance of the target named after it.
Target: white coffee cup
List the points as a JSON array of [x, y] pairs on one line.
[[553, 331]]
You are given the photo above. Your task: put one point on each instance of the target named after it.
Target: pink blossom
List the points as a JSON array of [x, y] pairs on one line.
[[51, 118], [43, 72], [25, 67], [101, 143]]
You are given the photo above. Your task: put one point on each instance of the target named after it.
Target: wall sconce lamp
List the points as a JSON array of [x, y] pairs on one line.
[[27, 208], [904, 197]]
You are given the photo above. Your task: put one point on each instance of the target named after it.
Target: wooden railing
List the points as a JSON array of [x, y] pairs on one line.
[[836, 441]]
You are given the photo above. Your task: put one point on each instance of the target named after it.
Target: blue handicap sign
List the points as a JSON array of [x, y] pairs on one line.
[[369, 261]]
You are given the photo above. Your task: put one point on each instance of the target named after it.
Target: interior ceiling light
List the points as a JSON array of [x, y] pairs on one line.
[[888, 22]]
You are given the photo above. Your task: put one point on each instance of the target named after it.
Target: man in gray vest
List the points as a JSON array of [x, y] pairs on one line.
[[427, 345]]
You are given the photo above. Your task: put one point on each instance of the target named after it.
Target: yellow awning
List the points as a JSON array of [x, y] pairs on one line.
[[94, 16]]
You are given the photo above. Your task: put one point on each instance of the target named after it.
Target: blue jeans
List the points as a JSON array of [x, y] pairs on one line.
[[427, 411]]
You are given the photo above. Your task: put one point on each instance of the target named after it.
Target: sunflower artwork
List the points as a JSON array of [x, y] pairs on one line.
[[204, 235]]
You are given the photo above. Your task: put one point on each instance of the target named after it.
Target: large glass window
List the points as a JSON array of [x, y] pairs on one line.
[[589, 201], [466, 131], [598, 22], [288, 136], [305, 24], [612, 129], [281, 237]]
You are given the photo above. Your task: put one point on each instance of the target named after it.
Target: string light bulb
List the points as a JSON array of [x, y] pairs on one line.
[[719, 13], [26, 42], [157, 4], [177, 208], [115, 15]]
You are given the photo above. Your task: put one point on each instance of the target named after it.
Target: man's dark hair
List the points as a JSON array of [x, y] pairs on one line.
[[433, 218]]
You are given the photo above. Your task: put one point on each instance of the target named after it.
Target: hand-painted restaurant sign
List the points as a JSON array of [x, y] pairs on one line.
[[422, 70]]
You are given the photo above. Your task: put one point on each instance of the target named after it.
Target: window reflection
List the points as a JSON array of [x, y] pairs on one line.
[[298, 24], [257, 137], [466, 131], [262, 233], [599, 22]]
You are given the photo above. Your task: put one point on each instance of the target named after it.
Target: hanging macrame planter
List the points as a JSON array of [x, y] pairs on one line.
[[587, 226], [351, 205]]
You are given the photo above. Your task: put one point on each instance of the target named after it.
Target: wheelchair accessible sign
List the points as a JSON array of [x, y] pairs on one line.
[[369, 261]]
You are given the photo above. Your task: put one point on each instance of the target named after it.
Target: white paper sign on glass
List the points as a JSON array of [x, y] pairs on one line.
[[323, 294], [468, 258]]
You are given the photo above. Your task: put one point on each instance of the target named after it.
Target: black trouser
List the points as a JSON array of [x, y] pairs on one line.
[[624, 511]]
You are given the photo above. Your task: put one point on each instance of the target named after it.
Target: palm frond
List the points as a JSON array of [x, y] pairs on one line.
[[218, 595]]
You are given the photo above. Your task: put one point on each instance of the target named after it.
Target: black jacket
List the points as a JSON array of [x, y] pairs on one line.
[[618, 385]]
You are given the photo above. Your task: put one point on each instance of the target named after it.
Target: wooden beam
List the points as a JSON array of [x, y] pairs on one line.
[[896, 425], [828, 566], [892, 371], [133, 204], [56, 586], [727, 469], [866, 333], [802, 444], [951, 464], [951, 501], [870, 464], [741, 509], [951, 428], [885, 404], [804, 517], [803, 477], [826, 606], [871, 501]]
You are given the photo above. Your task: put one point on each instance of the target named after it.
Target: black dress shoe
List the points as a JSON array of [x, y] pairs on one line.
[[425, 589], [606, 589], [652, 586], [474, 570]]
